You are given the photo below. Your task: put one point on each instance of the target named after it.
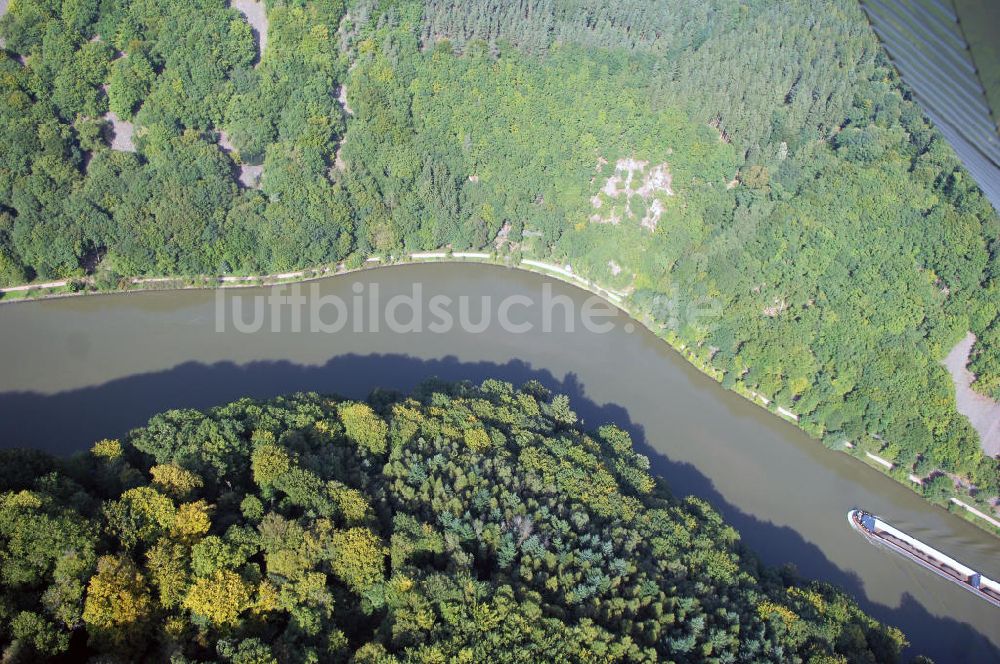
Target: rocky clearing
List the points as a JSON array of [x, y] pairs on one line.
[[121, 133], [656, 181], [249, 174], [342, 99], [3, 10], [339, 164], [983, 412], [256, 16]]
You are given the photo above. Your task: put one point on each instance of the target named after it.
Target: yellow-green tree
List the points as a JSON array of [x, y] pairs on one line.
[[269, 462], [141, 514], [167, 563], [191, 521], [357, 557], [174, 480], [108, 448], [220, 598], [351, 503], [118, 606], [364, 427], [477, 439]]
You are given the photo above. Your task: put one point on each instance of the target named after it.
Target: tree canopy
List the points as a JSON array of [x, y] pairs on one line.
[[483, 525]]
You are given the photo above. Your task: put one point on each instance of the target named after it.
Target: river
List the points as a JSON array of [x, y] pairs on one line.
[[78, 369]]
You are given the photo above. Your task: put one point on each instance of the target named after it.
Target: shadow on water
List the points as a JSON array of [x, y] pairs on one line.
[[71, 421]]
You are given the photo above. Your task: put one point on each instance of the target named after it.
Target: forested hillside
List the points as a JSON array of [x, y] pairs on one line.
[[840, 244], [461, 523], [759, 157], [182, 71]]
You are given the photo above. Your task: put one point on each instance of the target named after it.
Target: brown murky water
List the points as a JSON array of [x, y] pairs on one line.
[[77, 369]]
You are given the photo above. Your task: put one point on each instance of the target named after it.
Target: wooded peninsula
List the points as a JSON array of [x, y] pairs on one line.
[[459, 523]]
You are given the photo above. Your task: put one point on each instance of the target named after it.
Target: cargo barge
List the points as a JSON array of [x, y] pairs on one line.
[[876, 530]]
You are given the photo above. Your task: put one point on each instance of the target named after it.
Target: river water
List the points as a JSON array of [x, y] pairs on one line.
[[79, 369]]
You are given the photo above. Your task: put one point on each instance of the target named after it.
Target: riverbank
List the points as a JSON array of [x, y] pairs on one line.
[[66, 360], [699, 357], [87, 286]]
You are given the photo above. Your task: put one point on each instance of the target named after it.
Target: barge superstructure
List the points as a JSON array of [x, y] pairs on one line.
[[877, 530]]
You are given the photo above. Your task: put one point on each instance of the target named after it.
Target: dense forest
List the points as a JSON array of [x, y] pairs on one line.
[[183, 72], [763, 157], [461, 523], [844, 247]]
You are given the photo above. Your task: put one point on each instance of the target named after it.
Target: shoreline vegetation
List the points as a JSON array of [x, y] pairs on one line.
[[953, 501]]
